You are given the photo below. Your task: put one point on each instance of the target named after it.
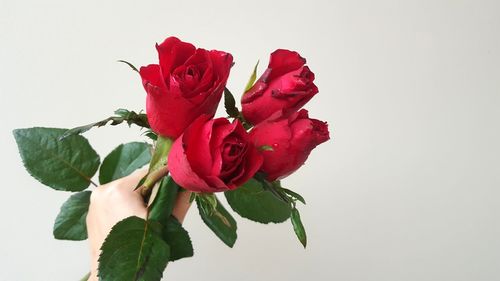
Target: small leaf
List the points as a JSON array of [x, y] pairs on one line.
[[210, 199], [298, 227], [129, 64], [253, 202], [219, 221], [178, 239], [71, 222], [130, 117], [123, 160], [65, 165], [192, 197], [133, 250], [294, 195], [253, 77], [230, 104], [150, 134], [164, 202]]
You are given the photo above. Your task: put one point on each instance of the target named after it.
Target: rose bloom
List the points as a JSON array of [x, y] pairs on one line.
[[187, 83], [213, 155], [286, 86], [291, 140]]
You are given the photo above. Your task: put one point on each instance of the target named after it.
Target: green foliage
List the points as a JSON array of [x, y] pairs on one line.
[[164, 202], [253, 77], [230, 104], [178, 239], [158, 164], [253, 202], [71, 221], [294, 195], [298, 227], [122, 115], [123, 160], [217, 219], [133, 250], [130, 65], [67, 164], [160, 155]]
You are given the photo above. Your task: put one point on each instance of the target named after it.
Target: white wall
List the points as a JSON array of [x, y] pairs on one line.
[[407, 190]]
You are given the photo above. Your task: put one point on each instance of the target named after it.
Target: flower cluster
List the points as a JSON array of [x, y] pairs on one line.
[[244, 156], [213, 155]]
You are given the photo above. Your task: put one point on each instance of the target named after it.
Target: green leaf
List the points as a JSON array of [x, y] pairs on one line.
[[218, 220], [252, 79], [294, 195], [253, 202], [71, 221], [62, 165], [298, 227], [123, 115], [123, 160], [164, 202], [178, 239], [230, 104], [133, 250], [130, 65]]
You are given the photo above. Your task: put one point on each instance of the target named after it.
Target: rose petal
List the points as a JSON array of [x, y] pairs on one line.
[[181, 171], [151, 79], [196, 141], [172, 53], [283, 61]]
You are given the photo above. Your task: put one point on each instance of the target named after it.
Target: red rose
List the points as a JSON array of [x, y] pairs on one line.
[[286, 85], [187, 83], [213, 155], [292, 138]]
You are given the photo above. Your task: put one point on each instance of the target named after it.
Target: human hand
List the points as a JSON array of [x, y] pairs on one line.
[[115, 201]]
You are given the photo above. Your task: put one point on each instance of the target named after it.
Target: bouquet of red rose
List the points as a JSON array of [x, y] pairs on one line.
[[245, 155]]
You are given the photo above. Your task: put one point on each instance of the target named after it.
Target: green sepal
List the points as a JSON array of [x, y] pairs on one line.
[[252, 78], [129, 64]]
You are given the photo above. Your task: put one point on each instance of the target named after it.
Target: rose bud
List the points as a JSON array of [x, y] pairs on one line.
[[286, 85], [187, 83], [213, 155], [290, 140]]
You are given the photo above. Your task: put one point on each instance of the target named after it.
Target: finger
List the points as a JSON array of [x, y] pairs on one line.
[[182, 205], [131, 181]]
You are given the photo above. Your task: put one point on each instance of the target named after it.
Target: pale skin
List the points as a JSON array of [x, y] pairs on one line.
[[112, 202]]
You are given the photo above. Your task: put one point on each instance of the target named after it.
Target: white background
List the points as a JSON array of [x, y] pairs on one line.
[[407, 190]]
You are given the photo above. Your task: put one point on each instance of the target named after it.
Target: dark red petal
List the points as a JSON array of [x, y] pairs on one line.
[[220, 131], [152, 79], [196, 140], [181, 171], [283, 61], [172, 53]]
